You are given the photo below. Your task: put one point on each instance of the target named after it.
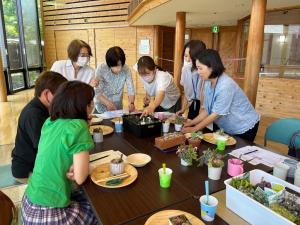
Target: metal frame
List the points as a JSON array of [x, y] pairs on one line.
[[25, 70]]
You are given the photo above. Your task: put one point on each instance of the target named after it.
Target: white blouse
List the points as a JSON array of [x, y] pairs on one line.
[[65, 68], [163, 81]]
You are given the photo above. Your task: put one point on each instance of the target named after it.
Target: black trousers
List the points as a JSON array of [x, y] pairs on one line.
[[173, 109], [194, 109]]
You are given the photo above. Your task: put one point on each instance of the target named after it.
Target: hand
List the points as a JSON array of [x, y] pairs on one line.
[[70, 173], [94, 82], [180, 112], [147, 111], [131, 107], [188, 130], [110, 106], [146, 100], [187, 123], [90, 120]]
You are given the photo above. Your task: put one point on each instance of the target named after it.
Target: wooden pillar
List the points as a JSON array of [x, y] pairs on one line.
[[255, 48], [179, 44], [157, 46], [3, 90]]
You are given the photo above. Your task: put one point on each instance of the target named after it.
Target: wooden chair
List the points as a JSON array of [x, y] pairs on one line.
[[8, 211]]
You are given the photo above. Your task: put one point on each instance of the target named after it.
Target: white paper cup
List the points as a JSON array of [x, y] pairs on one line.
[[280, 170], [297, 177], [166, 127]]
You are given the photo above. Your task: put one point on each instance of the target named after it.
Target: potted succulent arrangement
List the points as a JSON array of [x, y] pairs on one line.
[[187, 153], [178, 123], [214, 161], [195, 139]]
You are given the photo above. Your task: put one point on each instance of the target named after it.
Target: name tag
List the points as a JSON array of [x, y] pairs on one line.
[[210, 126]]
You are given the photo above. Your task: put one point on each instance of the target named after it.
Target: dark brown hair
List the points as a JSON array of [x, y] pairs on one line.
[[211, 59], [48, 80], [196, 46], [71, 101], [114, 55], [146, 62], [74, 49]]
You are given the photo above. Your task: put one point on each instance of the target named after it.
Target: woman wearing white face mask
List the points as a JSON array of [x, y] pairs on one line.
[[76, 67], [190, 79], [158, 84], [113, 74]]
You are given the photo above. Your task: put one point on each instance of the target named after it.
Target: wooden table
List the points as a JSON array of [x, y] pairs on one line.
[[135, 203]]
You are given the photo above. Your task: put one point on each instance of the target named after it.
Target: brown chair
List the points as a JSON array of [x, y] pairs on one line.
[[8, 211]]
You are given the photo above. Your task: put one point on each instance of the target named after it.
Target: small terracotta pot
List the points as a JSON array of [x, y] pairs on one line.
[[194, 142]]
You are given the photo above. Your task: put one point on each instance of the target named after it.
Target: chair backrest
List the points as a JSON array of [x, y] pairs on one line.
[[282, 130], [8, 211]]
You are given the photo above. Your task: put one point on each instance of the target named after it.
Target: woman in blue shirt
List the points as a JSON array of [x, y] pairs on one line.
[[225, 104]]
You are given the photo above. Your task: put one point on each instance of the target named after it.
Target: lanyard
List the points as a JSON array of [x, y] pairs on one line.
[[195, 86], [212, 100]]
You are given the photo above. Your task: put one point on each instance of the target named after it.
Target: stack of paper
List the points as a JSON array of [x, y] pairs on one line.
[[258, 155]]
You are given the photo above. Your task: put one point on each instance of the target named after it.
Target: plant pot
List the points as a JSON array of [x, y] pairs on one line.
[[185, 163], [178, 127], [214, 173], [194, 142]]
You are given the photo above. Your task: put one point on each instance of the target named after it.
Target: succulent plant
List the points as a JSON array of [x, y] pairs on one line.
[[179, 120], [212, 158], [197, 135], [187, 153]]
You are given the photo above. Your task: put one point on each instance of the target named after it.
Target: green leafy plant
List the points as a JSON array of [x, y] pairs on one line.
[[212, 158], [179, 120], [197, 135], [187, 153]]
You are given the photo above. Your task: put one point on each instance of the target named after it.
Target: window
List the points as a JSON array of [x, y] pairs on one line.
[[281, 48], [20, 43]]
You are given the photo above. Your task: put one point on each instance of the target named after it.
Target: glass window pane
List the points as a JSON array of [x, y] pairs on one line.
[[32, 77], [12, 34], [17, 80], [30, 24]]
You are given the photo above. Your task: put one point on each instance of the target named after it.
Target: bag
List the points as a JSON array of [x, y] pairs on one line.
[[294, 150]]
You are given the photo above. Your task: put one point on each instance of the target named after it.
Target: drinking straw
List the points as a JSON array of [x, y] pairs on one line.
[[164, 168], [207, 191]]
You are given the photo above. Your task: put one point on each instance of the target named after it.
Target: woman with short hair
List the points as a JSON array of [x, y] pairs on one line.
[[76, 66], [112, 76], [225, 104]]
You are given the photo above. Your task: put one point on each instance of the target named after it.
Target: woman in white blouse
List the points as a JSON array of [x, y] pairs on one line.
[[158, 84], [76, 67]]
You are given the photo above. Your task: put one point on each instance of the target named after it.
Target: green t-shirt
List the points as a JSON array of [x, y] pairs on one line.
[[60, 140]]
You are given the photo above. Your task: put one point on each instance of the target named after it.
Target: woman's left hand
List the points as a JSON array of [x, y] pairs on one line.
[[70, 173]]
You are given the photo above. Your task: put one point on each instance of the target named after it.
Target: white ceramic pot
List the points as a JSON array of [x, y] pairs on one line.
[[178, 127], [166, 127], [185, 163], [116, 168], [214, 173]]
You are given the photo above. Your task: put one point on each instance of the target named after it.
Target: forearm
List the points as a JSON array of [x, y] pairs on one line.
[[158, 99], [206, 121], [203, 114], [102, 99], [131, 99], [184, 103]]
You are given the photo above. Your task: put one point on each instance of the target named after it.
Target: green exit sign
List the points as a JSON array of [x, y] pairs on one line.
[[215, 29]]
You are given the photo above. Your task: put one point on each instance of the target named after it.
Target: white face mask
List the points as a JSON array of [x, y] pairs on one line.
[[148, 78], [82, 61], [185, 63]]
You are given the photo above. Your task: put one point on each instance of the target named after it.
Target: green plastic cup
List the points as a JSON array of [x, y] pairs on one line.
[[221, 143], [165, 178]]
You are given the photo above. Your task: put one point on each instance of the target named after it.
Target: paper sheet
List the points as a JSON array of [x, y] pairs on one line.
[[261, 156], [113, 114]]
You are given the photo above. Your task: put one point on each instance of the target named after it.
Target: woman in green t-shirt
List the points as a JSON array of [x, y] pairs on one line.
[[62, 158]]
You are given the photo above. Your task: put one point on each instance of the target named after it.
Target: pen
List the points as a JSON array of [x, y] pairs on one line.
[[250, 152]]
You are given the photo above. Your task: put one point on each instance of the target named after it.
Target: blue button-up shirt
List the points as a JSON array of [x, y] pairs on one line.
[[237, 115]]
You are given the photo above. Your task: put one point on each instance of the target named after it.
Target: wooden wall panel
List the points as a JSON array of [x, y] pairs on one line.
[[227, 45], [278, 97], [50, 48], [203, 34], [63, 39]]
